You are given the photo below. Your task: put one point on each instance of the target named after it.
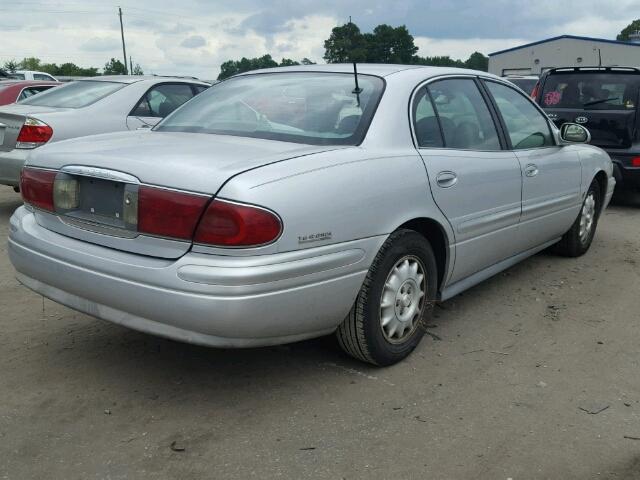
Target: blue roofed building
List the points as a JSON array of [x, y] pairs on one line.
[[564, 51]]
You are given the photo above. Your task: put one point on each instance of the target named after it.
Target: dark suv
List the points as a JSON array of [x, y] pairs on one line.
[[605, 100]]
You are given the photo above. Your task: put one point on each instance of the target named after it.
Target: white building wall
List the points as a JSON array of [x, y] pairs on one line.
[[563, 52]]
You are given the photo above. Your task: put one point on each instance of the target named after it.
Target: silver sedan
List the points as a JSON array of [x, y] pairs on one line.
[[86, 107], [292, 203]]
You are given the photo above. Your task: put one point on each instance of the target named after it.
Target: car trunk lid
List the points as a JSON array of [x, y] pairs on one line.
[[108, 172]]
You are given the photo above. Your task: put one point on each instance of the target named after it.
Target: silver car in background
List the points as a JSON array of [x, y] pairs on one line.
[[86, 107], [292, 203]]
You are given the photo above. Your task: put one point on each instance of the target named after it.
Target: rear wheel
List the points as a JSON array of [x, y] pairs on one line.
[[578, 239], [389, 315]]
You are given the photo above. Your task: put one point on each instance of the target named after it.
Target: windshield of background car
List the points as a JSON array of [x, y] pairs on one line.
[[313, 108], [74, 95], [591, 91]]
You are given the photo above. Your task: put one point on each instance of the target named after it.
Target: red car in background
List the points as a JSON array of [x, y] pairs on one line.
[[12, 91]]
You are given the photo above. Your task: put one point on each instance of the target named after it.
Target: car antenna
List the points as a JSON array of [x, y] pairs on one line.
[[356, 90]]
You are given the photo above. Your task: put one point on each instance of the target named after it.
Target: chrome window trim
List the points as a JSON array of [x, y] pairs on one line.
[[412, 117]]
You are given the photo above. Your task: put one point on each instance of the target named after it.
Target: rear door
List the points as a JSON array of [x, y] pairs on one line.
[[158, 102], [605, 101], [551, 174], [474, 180]]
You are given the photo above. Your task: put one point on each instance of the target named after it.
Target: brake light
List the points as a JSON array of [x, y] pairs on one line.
[[36, 186], [33, 134], [169, 213], [231, 224], [534, 92], [635, 162]]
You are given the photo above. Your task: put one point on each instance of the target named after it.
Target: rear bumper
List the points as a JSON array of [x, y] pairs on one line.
[[11, 163], [204, 299], [627, 176]]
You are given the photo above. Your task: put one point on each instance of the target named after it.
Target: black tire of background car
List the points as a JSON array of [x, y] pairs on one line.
[[570, 245], [360, 334]]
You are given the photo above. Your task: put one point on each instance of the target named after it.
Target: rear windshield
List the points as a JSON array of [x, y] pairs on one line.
[[313, 108], [591, 91], [74, 95]]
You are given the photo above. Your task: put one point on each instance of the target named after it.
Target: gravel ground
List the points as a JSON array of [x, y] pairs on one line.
[[530, 375]]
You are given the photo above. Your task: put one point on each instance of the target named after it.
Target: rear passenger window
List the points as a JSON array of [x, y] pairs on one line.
[[526, 125], [161, 100], [426, 124], [464, 117]]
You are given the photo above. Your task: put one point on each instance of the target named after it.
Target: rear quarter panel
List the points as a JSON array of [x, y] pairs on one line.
[[351, 194]]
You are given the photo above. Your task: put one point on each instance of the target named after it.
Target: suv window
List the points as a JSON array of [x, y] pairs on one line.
[[42, 76], [161, 100], [526, 125], [591, 90], [464, 116], [426, 124]]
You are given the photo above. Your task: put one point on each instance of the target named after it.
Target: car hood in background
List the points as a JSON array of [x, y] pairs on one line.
[[188, 161]]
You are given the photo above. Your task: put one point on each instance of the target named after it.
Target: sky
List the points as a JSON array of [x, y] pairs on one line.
[[193, 37]]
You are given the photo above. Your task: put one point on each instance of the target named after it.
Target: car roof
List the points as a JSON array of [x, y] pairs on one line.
[[139, 78], [27, 83], [377, 69]]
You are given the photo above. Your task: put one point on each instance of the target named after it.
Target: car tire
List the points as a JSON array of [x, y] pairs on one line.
[[388, 318], [578, 239]]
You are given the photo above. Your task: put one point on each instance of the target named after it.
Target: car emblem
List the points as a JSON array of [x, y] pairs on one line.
[[552, 116], [582, 119]]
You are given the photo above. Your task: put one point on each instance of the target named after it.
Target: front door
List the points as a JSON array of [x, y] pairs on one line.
[[474, 181], [551, 173]]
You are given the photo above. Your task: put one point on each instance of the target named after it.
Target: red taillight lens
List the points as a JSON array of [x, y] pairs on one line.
[[635, 162], [229, 224], [534, 92], [169, 213], [33, 134], [36, 187]]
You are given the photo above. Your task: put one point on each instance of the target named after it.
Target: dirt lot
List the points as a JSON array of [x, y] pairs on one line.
[[502, 389]]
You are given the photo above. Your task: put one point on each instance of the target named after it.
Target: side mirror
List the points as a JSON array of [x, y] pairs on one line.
[[574, 133]]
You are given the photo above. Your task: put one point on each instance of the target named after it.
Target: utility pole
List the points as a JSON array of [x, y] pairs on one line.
[[124, 50], [130, 65]]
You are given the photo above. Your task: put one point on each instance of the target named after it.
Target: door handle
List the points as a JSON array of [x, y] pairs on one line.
[[446, 179], [531, 170]]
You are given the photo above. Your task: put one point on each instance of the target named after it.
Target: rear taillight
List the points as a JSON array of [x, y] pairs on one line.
[[534, 92], [33, 134], [231, 224], [169, 213], [36, 186], [635, 162]]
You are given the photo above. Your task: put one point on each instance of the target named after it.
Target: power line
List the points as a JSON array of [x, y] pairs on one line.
[[124, 50]]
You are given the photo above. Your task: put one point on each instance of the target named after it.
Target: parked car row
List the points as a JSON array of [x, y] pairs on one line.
[[86, 107], [291, 203]]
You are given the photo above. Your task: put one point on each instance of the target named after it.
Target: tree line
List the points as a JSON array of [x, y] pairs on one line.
[[112, 67], [385, 44]]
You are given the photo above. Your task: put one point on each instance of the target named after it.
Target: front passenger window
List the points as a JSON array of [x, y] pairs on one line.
[[526, 125]]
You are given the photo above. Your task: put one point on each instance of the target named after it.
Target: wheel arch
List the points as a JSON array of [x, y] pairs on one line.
[[601, 178], [437, 236]]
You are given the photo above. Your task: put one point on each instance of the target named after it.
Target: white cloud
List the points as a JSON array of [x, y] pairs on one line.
[[101, 44], [194, 41]]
